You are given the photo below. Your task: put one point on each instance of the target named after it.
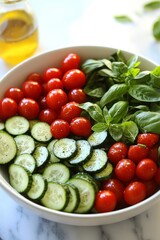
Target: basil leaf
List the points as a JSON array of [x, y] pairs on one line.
[[94, 111], [107, 63], [132, 62], [97, 92], [106, 115], [118, 111], [148, 121], [155, 77], [123, 18], [152, 5], [91, 64], [116, 131], [156, 30], [113, 93], [119, 68], [99, 127], [106, 73], [144, 93]]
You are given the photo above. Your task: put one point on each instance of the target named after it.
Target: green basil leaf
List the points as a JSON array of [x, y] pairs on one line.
[[148, 121], [144, 93], [119, 68], [94, 111], [107, 63], [155, 77], [116, 131], [152, 5], [91, 64], [97, 92], [132, 62], [155, 107], [106, 115], [123, 18], [156, 30], [99, 127], [105, 73], [118, 111], [114, 92]]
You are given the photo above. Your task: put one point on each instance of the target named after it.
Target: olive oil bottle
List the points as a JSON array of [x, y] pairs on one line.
[[18, 31]]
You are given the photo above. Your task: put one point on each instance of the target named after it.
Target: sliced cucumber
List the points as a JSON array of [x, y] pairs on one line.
[[97, 161], [2, 126], [17, 125], [105, 173], [40, 131], [97, 138], [86, 192], [8, 148], [20, 179], [65, 148], [53, 158], [56, 172], [56, 196], [41, 155], [25, 144], [27, 161], [38, 187], [84, 151], [74, 199]]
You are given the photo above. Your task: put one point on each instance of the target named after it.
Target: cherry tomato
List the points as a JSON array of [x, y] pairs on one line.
[[35, 77], [60, 129], [125, 170], [8, 108], [148, 139], [105, 201], [77, 95], [54, 83], [146, 169], [28, 108], [81, 126], [14, 93], [32, 90], [47, 115], [153, 153], [74, 78], [117, 152], [69, 111], [115, 186], [52, 73], [157, 177], [137, 152], [42, 103], [71, 61], [135, 192], [151, 187], [56, 98]]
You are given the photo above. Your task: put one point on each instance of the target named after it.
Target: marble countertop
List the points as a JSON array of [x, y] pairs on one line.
[[86, 22]]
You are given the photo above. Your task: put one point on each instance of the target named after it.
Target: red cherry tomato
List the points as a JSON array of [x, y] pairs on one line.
[[74, 78], [117, 152], [125, 170], [146, 169], [148, 139], [60, 129], [8, 108], [69, 111], [56, 98], [54, 83], [47, 115], [35, 77], [137, 152], [32, 90], [151, 187], [71, 61], [14, 93], [105, 201], [52, 73], [28, 108], [135, 192], [42, 103], [153, 153], [81, 126], [115, 186], [157, 177], [77, 95]]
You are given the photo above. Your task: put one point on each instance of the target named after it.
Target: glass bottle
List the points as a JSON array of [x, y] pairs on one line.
[[18, 31]]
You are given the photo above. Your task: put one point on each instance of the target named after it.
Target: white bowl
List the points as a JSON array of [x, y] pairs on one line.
[[39, 63]]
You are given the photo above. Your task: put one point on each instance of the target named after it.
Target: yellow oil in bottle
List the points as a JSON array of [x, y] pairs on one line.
[[18, 36]]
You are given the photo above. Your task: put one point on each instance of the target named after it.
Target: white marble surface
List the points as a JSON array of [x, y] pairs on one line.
[[86, 22]]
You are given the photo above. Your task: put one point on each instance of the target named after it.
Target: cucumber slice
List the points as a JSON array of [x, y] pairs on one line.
[[53, 158], [105, 173], [86, 192], [65, 148], [40, 131], [25, 144], [17, 125], [97, 161], [74, 199], [2, 126], [97, 138], [84, 151], [56, 172], [41, 155], [20, 179], [38, 187], [8, 148], [56, 196], [27, 161]]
